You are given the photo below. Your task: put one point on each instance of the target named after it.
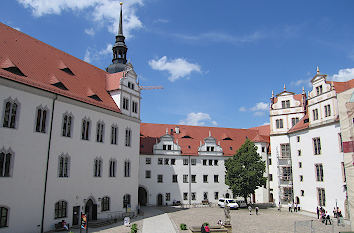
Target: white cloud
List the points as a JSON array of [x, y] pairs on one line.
[[161, 21], [95, 55], [260, 106], [302, 82], [258, 113], [242, 109], [266, 123], [90, 31], [343, 75], [100, 11], [178, 68], [199, 118]]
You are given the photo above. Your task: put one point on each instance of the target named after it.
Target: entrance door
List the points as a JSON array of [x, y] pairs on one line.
[[142, 196], [159, 199], [91, 210], [76, 215], [271, 199]]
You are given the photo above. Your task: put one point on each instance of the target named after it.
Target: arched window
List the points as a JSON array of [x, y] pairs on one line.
[[127, 168], [112, 168], [98, 168], [126, 200], [11, 108], [85, 131], [67, 124], [5, 163], [3, 216], [105, 203], [41, 120], [100, 131], [60, 209], [128, 136], [64, 166]]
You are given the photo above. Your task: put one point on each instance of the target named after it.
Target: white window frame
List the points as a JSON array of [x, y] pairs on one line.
[[64, 166], [11, 114], [67, 125], [41, 119]]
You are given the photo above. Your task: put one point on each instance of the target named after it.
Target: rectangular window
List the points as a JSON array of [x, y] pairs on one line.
[[343, 172], [10, 115], [286, 173], [216, 195], [147, 174], [5, 164], [204, 162], [301, 178], [135, 107], [128, 135], [210, 162], [185, 178], [126, 169], [205, 196], [279, 123], [298, 138], [193, 162], [285, 104], [168, 196], [164, 147], [285, 150], [185, 161], [316, 146], [319, 172], [269, 161], [299, 152], [263, 149], [193, 179], [159, 161], [41, 120], [173, 161], [294, 121], [185, 196], [159, 178], [319, 90], [340, 142], [99, 132], [270, 177], [167, 161], [114, 133], [321, 196], [205, 178], [125, 103], [327, 109], [193, 196], [174, 179], [3, 217], [302, 193], [315, 114], [169, 147], [216, 162], [300, 164], [148, 161], [63, 166], [98, 168], [66, 131], [216, 178]]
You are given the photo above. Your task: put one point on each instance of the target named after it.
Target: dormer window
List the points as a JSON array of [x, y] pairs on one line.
[[227, 138], [319, 90], [164, 147], [285, 104], [210, 148], [186, 136], [279, 123], [131, 85], [169, 147]]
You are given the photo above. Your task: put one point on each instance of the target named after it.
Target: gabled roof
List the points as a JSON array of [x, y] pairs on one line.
[[48, 68], [342, 86], [151, 133]]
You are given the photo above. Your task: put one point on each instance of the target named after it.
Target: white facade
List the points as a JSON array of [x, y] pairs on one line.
[[23, 194], [307, 156]]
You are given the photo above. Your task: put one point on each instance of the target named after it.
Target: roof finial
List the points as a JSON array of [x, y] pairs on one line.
[[318, 70], [332, 84], [272, 94], [284, 87], [303, 90], [120, 29], [209, 133]]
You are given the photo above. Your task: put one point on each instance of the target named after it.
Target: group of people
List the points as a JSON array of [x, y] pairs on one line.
[[323, 215], [295, 207], [250, 209]]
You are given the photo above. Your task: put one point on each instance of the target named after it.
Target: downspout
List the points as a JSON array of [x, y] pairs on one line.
[[47, 165]]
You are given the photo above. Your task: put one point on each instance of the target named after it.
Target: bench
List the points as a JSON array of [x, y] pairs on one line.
[[59, 227], [196, 229]]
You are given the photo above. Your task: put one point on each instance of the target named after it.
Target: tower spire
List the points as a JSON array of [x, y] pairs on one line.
[[120, 29], [119, 48]]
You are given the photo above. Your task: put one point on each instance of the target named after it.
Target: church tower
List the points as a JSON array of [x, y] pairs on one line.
[[119, 49]]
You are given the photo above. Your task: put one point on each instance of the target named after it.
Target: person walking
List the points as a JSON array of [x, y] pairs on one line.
[[257, 209], [328, 218], [290, 209], [318, 212], [279, 207], [250, 209], [295, 207]]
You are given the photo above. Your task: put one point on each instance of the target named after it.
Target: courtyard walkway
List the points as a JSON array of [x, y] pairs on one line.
[[159, 223]]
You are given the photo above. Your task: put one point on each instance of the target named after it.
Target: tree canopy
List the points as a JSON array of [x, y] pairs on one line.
[[245, 170]]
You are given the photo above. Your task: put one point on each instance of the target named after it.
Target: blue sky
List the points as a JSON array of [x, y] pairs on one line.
[[218, 61]]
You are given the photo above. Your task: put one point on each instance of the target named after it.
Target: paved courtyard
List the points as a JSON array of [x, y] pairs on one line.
[[269, 220]]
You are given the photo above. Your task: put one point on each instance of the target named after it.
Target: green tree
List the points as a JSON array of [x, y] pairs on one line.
[[245, 170]]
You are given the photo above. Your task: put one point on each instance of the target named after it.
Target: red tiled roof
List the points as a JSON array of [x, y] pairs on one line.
[[43, 66], [342, 86], [301, 124], [151, 133]]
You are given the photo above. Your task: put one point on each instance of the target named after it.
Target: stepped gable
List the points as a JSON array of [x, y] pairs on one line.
[[40, 62], [190, 137]]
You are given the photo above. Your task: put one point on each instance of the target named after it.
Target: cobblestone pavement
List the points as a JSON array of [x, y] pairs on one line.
[[268, 220]]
